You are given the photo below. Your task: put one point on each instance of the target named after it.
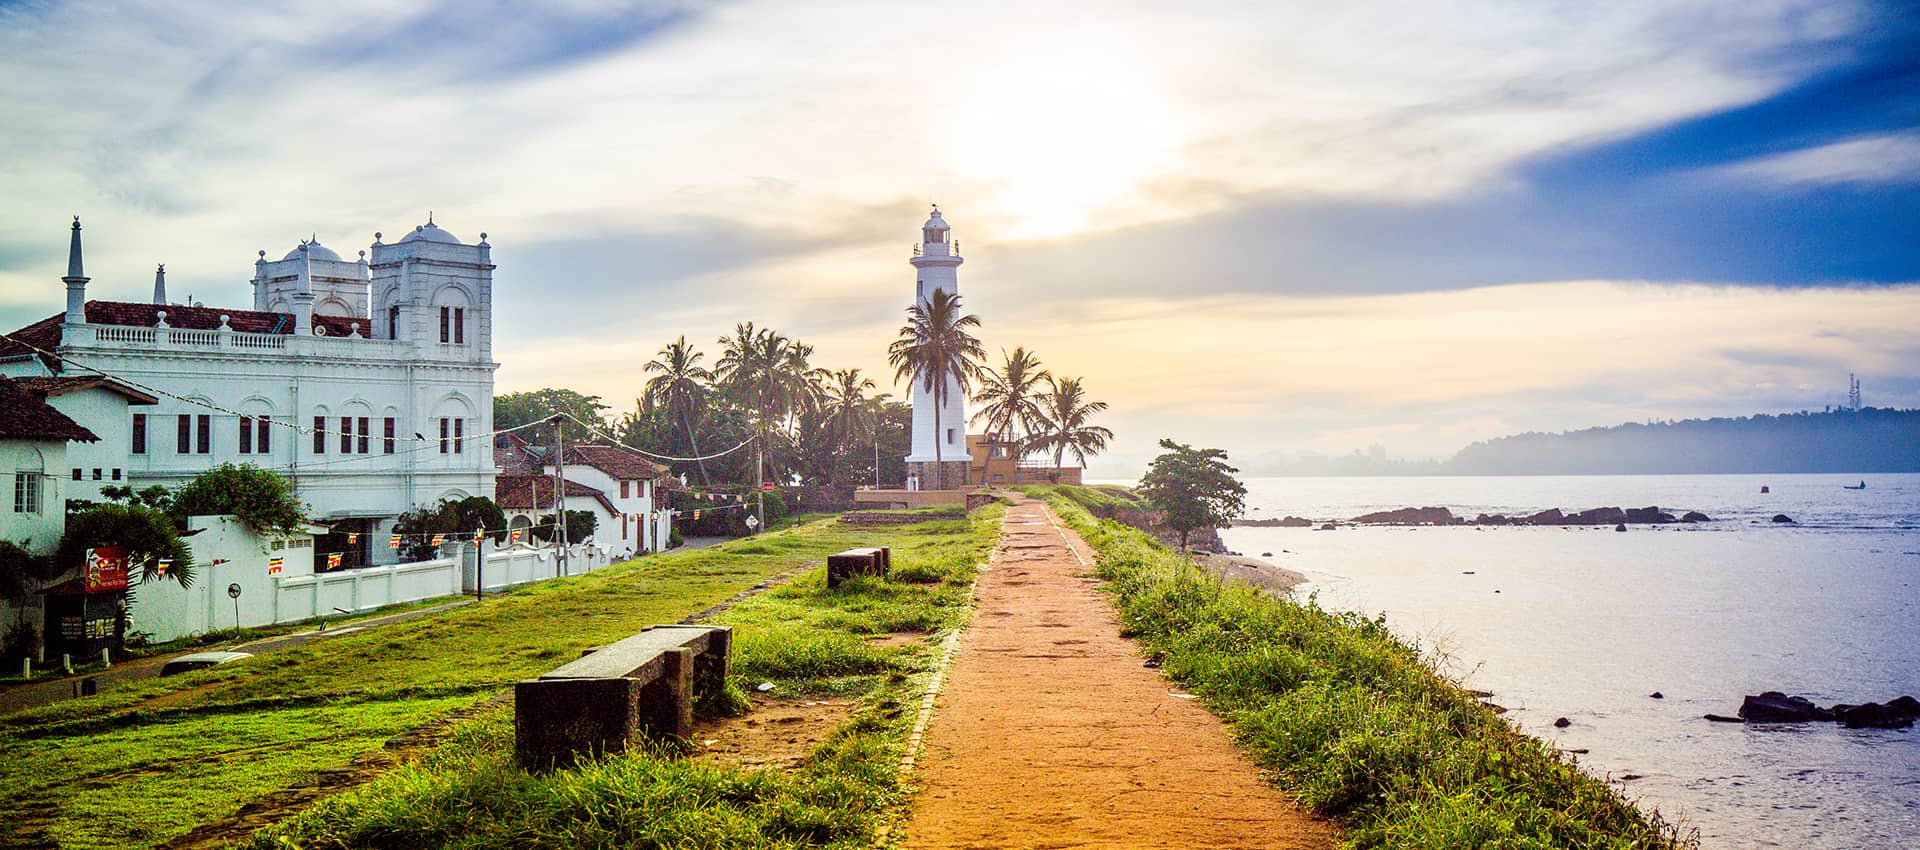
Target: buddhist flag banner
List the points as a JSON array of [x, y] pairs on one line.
[[514, 537], [477, 534], [352, 538], [393, 542], [333, 560], [163, 565], [439, 539], [274, 566]]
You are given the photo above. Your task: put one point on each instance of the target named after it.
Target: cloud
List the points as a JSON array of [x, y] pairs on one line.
[[1877, 159]]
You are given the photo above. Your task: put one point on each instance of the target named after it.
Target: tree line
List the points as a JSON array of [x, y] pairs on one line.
[[814, 425]]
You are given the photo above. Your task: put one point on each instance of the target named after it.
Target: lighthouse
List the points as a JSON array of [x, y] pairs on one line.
[[936, 267]]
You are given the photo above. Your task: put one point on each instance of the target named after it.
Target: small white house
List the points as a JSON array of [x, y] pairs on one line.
[[33, 454], [107, 405]]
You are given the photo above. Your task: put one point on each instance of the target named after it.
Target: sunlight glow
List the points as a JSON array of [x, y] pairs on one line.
[[1062, 135]]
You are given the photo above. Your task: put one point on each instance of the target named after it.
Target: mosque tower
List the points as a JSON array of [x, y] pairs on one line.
[[936, 263]]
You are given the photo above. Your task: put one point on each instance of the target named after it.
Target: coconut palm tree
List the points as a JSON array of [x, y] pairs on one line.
[[1011, 395], [678, 386], [1063, 426], [850, 415], [936, 347]]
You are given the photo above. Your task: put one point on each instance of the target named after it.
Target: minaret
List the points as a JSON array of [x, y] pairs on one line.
[[936, 267], [76, 281], [160, 285]]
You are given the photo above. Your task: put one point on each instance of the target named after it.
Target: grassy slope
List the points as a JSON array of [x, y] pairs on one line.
[[806, 639], [1348, 719], [137, 766]]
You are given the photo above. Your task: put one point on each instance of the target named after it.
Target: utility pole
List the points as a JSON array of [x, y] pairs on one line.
[[559, 498], [759, 481]]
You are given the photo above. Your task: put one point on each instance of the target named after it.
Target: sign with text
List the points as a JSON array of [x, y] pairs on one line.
[[106, 569]]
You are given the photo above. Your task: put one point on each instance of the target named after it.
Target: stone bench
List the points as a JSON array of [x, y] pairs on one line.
[[871, 561], [641, 687]]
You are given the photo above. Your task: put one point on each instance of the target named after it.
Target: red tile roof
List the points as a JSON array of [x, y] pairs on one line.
[[618, 463], [51, 387], [26, 415], [45, 334], [516, 492]]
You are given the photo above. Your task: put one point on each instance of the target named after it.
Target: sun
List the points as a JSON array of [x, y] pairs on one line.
[[1058, 138]]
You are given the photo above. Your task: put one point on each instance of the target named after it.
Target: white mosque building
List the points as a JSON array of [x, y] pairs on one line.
[[367, 381]]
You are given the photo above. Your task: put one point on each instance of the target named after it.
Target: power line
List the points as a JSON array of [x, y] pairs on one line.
[[647, 454]]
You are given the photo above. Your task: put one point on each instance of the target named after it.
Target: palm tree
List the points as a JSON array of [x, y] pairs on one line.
[[849, 413], [1063, 423], [678, 386], [935, 348], [1011, 395]]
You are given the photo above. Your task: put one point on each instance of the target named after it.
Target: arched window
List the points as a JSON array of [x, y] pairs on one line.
[[451, 416], [451, 303]]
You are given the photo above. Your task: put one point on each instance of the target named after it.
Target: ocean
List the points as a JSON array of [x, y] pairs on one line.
[[1587, 623]]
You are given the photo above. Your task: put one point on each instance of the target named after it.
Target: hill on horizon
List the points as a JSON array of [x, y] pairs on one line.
[[1867, 440]]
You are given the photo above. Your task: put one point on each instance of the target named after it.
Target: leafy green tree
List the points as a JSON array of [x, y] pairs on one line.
[[937, 346], [260, 498], [580, 526], [148, 536], [455, 518], [1063, 427], [1194, 489], [1010, 395], [516, 409]]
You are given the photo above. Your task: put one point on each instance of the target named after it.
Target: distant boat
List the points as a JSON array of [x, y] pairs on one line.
[[1860, 486], [1765, 489]]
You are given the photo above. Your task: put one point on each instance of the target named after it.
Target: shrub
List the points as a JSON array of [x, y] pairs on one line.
[[261, 498]]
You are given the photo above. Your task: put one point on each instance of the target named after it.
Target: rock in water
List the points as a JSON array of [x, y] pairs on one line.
[[1695, 516], [1776, 707], [1409, 516], [1550, 516], [1620, 527], [1782, 518], [1648, 515], [1896, 714], [1657, 695], [1562, 723]]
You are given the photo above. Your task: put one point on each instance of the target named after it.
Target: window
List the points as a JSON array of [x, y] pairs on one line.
[[116, 473], [319, 435], [387, 438], [363, 435], [26, 492], [949, 436], [444, 428], [96, 473], [393, 322], [460, 325], [623, 524], [184, 434], [205, 442], [623, 489], [246, 435], [446, 324], [346, 435], [263, 434], [77, 471], [139, 433], [459, 432]]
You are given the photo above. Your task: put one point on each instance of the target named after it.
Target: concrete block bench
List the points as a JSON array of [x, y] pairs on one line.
[[641, 687], [869, 561]]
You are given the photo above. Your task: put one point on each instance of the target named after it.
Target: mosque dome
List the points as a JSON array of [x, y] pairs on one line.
[[314, 251], [430, 232]]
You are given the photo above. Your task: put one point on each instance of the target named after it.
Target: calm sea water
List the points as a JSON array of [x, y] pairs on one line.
[[1586, 623]]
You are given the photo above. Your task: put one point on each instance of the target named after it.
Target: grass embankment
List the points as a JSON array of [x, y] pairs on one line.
[[1348, 718], [805, 639], [140, 765]]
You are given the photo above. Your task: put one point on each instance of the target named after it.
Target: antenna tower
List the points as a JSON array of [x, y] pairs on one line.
[[1853, 392]]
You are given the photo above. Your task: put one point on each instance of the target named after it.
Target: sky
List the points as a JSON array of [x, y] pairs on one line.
[[1272, 227]]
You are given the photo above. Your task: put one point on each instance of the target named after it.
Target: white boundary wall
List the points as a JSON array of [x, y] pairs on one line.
[[168, 611]]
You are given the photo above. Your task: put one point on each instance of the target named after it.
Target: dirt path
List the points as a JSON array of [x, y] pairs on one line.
[[1051, 733]]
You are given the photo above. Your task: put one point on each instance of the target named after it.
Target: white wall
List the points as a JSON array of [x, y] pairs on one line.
[[168, 611], [106, 414], [36, 531]]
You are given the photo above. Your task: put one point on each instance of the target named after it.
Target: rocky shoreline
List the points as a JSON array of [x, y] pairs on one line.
[[1445, 516], [1266, 575]]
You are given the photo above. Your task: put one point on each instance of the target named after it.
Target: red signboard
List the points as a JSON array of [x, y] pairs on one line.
[[106, 569]]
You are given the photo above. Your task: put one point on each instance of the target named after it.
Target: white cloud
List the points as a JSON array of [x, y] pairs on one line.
[[1888, 158]]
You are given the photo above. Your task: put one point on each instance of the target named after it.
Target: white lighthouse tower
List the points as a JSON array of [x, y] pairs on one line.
[[936, 268]]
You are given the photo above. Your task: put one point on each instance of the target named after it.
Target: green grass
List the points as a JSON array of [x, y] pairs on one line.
[[1100, 499], [801, 636], [1348, 718], [209, 741]]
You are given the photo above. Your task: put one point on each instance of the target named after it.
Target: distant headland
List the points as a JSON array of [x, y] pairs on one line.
[[1867, 440]]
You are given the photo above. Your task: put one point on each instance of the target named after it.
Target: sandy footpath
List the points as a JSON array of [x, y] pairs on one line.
[[1051, 734]]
